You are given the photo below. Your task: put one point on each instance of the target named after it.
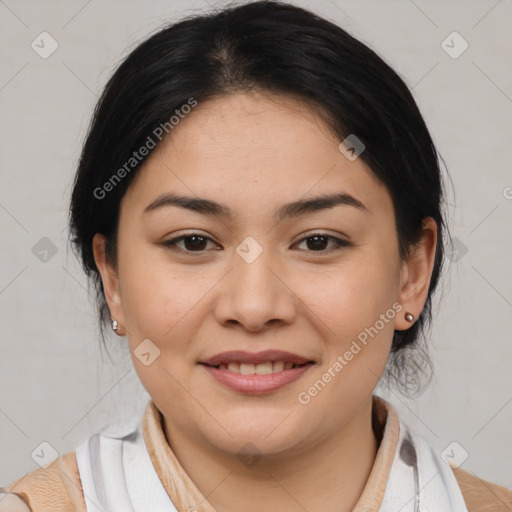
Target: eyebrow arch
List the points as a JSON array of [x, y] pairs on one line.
[[294, 209]]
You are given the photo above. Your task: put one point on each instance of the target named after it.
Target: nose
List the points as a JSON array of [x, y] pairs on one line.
[[255, 295]]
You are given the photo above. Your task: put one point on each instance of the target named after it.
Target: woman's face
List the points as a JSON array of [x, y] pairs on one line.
[[254, 278]]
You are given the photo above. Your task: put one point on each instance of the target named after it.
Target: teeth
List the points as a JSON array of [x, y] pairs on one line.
[[234, 367], [263, 369], [257, 369], [277, 366], [247, 369]]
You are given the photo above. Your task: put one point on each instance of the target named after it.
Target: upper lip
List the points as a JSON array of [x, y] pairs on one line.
[[241, 356]]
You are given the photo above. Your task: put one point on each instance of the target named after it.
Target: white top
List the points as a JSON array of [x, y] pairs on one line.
[[118, 476]]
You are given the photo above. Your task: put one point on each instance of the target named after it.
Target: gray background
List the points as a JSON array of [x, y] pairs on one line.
[[55, 383]]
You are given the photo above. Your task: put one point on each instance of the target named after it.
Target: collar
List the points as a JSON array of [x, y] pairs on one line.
[[185, 495]]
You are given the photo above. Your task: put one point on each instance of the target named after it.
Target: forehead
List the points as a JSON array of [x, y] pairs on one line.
[[253, 150]]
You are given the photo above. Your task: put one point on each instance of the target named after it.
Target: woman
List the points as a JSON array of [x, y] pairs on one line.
[[259, 204]]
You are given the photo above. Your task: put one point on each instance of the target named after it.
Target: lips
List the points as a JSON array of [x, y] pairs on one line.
[[243, 357], [256, 373]]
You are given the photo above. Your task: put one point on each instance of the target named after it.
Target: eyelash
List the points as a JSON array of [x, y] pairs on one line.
[[171, 244]]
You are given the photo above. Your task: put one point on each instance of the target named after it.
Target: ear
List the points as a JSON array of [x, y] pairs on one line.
[[416, 273], [109, 278]]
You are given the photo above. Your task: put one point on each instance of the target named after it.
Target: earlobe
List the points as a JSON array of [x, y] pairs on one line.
[[416, 275], [109, 278]]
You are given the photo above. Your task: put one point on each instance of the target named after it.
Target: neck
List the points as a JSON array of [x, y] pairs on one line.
[[329, 476]]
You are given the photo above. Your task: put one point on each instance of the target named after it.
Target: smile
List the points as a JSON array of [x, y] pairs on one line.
[[257, 379], [258, 369]]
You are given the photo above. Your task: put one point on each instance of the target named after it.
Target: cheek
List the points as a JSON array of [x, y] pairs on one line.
[[354, 309], [161, 303], [352, 305], [159, 299], [353, 294]]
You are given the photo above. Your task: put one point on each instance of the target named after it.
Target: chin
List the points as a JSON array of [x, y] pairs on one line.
[[245, 445], [265, 433]]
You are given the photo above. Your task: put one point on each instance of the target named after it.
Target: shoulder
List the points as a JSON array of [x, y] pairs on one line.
[[12, 503], [56, 488], [481, 495]]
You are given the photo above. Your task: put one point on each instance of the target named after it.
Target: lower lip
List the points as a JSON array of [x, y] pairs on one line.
[[257, 384]]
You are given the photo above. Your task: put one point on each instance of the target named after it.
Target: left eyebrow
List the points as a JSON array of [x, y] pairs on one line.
[[294, 209], [318, 203]]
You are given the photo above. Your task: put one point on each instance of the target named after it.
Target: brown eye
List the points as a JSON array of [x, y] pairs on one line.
[[319, 241], [191, 243]]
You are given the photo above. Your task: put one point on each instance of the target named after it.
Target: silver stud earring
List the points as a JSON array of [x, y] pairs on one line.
[[409, 317], [115, 326]]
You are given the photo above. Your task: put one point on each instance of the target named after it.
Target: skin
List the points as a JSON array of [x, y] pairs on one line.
[[255, 152]]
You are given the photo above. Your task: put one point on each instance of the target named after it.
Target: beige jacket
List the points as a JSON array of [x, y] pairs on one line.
[[58, 489]]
